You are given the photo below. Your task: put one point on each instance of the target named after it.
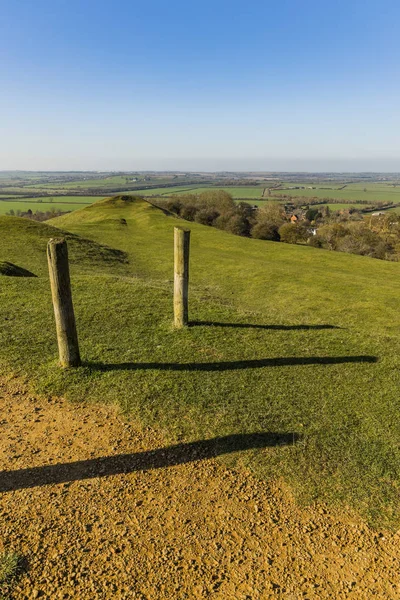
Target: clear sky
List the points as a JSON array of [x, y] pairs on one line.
[[216, 84]]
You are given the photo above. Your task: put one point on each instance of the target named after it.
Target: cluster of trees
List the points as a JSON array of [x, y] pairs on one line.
[[356, 237], [215, 208], [375, 236], [218, 209], [38, 215]]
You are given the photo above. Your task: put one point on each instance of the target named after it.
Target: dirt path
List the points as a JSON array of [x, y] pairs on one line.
[[190, 530]]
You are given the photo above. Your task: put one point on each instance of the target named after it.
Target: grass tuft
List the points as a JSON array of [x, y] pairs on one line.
[[11, 566]]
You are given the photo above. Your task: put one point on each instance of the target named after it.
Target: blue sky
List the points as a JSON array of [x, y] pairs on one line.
[[288, 85]]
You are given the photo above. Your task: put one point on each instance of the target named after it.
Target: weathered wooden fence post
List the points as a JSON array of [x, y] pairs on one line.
[[57, 255], [181, 276]]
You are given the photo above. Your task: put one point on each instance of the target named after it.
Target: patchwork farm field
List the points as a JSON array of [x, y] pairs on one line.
[[117, 180], [165, 191], [85, 183], [236, 192], [367, 192], [81, 183], [342, 205], [92, 186], [64, 203]]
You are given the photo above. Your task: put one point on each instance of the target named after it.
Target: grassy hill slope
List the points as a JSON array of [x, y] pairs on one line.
[[296, 342], [24, 243], [280, 281]]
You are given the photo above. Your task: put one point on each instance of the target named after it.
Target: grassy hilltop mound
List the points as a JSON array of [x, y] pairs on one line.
[[297, 343]]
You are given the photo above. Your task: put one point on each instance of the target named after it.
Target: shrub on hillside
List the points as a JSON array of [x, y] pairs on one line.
[[188, 212], [235, 223], [293, 233], [268, 220], [363, 241], [266, 231], [331, 234], [206, 216], [314, 241]]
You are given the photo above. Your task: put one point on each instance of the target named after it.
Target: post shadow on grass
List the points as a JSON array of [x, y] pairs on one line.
[[255, 326], [234, 365], [141, 461]]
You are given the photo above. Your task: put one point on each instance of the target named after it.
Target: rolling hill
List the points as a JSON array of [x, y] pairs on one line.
[[296, 342]]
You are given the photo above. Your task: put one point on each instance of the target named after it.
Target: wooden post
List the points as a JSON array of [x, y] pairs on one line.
[[57, 255], [181, 276]]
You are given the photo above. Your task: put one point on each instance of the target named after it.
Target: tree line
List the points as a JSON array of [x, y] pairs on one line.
[[37, 215], [377, 236]]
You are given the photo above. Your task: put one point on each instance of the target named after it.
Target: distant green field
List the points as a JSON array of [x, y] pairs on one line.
[[165, 191], [332, 206], [373, 194], [351, 193], [67, 203], [340, 206], [378, 186], [347, 194], [102, 182], [236, 192], [85, 183], [370, 192], [258, 202]]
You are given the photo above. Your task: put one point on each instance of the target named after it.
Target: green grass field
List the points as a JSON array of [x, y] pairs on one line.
[[89, 182], [165, 191], [65, 203], [284, 339], [374, 193], [101, 182], [236, 192], [349, 193], [370, 192]]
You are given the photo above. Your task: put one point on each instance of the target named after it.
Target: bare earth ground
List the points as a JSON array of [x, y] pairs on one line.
[[189, 530]]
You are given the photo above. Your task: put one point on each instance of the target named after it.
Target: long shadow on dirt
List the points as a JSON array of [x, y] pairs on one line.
[[140, 461]]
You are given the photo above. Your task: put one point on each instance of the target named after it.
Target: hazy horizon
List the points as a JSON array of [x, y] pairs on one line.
[[222, 165]]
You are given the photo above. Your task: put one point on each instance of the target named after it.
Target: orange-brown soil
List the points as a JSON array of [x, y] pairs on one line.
[[164, 523]]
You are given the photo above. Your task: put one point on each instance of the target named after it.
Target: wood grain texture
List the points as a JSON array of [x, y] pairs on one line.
[[67, 337], [181, 276]]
